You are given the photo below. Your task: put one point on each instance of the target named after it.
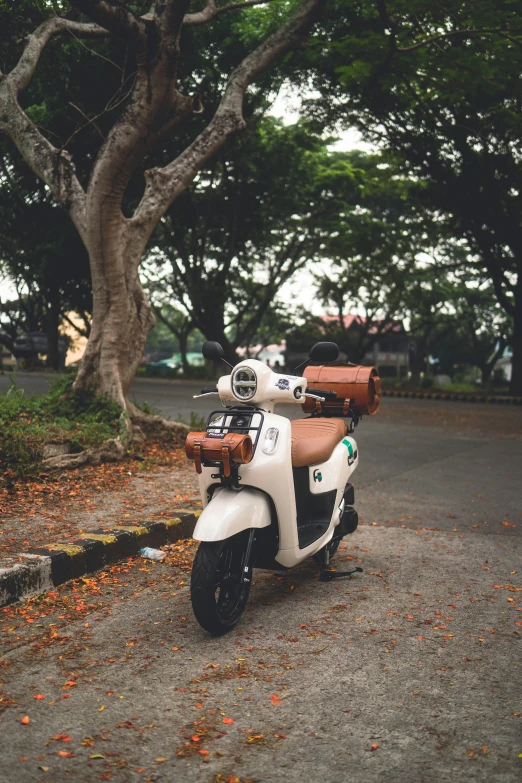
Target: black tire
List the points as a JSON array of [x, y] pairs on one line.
[[219, 596]]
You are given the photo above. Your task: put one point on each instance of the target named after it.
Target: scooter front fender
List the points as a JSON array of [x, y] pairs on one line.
[[229, 512]]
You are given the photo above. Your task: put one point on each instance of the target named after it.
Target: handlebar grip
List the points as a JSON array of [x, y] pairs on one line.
[[328, 395], [209, 391]]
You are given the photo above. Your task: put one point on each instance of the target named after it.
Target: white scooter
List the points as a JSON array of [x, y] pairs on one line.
[[290, 501]]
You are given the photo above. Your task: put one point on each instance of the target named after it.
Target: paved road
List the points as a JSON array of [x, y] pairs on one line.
[[419, 656], [172, 398]]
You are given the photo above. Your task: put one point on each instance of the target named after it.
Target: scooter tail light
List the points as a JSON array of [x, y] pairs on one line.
[[271, 438]]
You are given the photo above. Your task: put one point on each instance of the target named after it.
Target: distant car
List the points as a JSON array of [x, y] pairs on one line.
[[174, 362]]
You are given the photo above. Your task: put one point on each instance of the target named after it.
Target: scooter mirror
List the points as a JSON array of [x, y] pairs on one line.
[[212, 350], [324, 352]]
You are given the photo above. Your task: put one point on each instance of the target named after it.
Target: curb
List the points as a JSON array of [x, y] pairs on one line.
[[40, 569], [455, 397]]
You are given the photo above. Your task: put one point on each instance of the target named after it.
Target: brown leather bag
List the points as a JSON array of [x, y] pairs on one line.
[[360, 385], [232, 447]]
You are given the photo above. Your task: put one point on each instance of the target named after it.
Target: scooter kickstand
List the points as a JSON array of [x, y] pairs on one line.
[[327, 575]]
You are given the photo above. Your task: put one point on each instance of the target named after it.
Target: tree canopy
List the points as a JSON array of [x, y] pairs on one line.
[[438, 85]]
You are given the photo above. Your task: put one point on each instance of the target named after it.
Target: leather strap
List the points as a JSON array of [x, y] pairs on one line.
[[197, 456], [225, 455]]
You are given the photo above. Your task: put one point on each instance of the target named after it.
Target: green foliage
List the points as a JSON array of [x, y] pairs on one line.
[[60, 416], [277, 200], [196, 421], [448, 109]]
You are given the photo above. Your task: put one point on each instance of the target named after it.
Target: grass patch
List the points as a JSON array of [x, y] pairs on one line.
[[196, 422], [60, 416]]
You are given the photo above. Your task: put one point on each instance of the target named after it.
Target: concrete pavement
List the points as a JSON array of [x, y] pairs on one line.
[[418, 656], [409, 672]]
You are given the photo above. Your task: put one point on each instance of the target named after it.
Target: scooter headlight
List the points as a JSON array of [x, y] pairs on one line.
[[244, 383]]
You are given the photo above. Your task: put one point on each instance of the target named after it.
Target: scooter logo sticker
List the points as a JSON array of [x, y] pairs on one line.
[[317, 475], [283, 384], [351, 458]]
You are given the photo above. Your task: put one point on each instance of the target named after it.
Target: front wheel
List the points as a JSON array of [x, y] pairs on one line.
[[220, 582]]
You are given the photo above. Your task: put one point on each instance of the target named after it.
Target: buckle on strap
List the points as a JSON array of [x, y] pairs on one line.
[[225, 456]]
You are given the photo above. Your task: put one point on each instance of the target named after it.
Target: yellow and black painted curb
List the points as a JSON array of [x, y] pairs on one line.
[[490, 399], [46, 567]]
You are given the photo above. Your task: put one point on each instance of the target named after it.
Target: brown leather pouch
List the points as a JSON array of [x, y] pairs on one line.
[[232, 447], [357, 388]]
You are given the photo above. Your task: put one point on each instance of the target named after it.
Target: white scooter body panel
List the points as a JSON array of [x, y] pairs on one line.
[[230, 512], [335, 472], [272, 474]]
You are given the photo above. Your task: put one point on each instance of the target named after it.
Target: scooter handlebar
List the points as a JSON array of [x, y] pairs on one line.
[[328, 395], [205, 393]]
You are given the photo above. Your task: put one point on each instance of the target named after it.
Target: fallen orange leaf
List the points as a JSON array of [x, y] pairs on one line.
[[228, 721], [25, 720], [374, 746], [38, 696]]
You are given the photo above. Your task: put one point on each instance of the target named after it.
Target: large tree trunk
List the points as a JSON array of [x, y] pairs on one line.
[[122, 315], [122, 318], [485, 374], [211, 322], [183, 348], [515, 386], [417, 363], [53, 324]]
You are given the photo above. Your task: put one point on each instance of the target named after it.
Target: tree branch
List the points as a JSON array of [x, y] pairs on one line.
[[164, 185], [52, 166], [440, 36], [114, 17], [81, 332], [211, 10], [23, 72]]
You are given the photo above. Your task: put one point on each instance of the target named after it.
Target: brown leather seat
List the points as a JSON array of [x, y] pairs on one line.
[[313, 440]]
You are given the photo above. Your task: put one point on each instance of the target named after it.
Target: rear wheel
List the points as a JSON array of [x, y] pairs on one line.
[[220, 586]]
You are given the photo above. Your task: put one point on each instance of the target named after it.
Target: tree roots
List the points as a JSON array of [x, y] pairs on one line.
[[137, 425], [111, 450]]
